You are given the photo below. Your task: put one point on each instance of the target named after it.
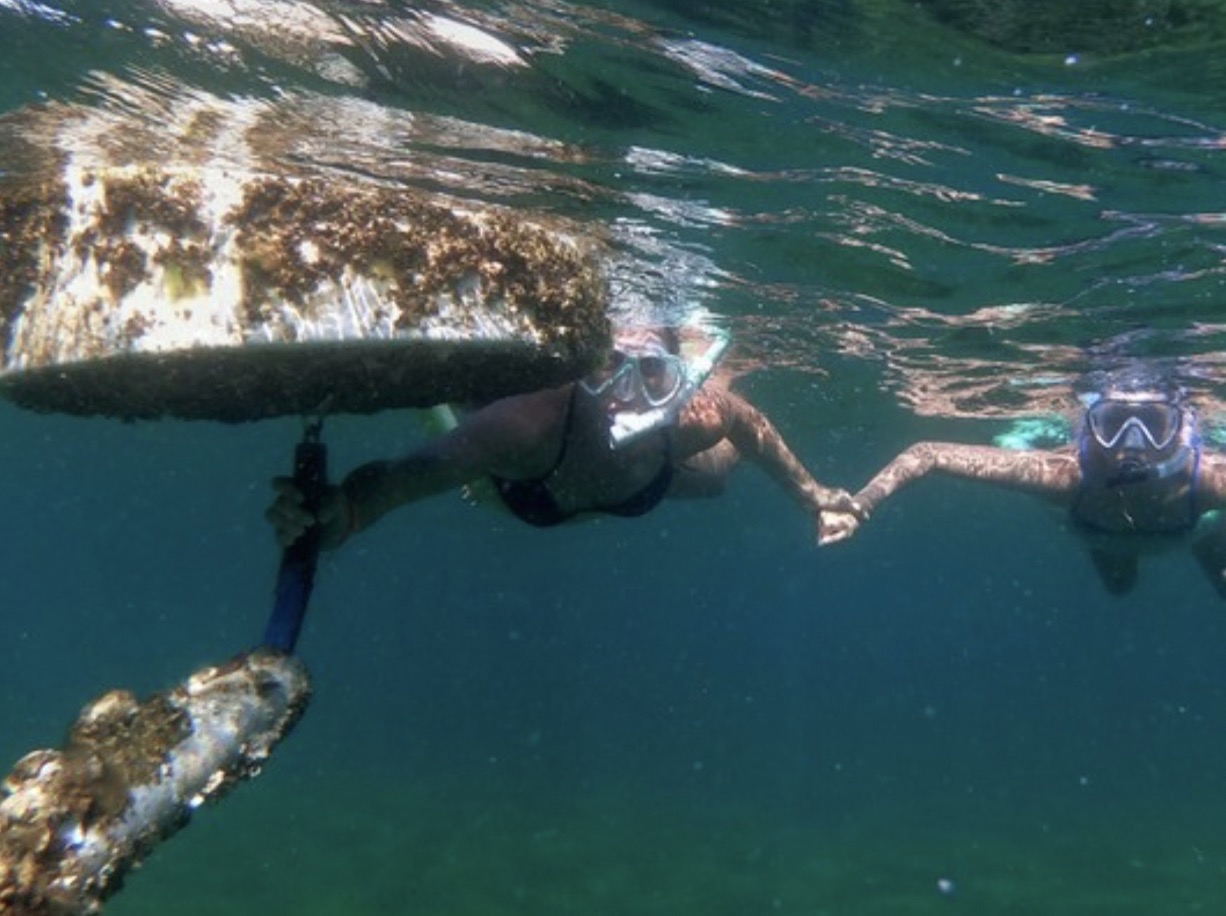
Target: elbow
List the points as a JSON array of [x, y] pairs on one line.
[[925, 450]]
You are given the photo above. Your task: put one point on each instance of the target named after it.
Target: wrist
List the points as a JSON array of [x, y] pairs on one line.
[[816, 497]]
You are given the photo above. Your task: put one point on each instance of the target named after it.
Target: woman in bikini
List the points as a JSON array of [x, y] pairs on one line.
[[642, 428]]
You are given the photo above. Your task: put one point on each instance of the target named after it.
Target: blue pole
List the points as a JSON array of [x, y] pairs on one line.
[[296, 575]]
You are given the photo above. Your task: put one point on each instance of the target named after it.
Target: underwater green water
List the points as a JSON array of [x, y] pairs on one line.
[[910, 235]]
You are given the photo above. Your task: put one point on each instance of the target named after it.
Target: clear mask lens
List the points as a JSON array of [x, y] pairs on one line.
[[625, 377], [661, 377], [1153, 423]]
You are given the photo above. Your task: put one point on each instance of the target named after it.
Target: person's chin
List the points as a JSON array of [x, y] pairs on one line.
[[1130, 469]]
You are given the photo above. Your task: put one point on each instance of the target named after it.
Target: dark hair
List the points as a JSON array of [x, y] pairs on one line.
[[1134, 379], [671, 337]]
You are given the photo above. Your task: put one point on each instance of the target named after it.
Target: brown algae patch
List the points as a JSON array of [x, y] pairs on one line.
[[297, 235]]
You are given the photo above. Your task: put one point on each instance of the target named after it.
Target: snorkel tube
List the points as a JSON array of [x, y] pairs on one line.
[[631, 425]]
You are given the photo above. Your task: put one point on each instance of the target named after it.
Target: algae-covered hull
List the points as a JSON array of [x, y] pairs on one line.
[[204, 276]]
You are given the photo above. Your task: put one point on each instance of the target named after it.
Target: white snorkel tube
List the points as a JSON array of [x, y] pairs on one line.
[[630, 425]]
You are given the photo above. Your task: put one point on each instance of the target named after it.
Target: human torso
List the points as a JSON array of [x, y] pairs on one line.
[[588, 476], [1165, 508]]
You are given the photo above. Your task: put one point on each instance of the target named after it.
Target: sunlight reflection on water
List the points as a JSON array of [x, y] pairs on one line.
[[958, 238]]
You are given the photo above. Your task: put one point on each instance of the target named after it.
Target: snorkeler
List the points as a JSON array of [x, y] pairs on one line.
[[1136, 479], [645, 426]]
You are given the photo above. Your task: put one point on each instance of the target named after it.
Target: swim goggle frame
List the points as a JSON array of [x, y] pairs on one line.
[[658, 377], [1158, 422], [631, 424]]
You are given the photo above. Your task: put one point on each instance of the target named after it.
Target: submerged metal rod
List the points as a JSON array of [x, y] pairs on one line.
[[73, 821]]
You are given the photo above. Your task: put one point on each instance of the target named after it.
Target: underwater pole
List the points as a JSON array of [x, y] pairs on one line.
[[296, 575]]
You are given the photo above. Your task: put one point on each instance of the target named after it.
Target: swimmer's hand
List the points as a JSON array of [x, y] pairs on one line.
[[290, 519], [838, 500], [839, 516], [833, 527]]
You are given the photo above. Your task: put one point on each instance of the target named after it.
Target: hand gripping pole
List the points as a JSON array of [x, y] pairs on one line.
[[296, 575]]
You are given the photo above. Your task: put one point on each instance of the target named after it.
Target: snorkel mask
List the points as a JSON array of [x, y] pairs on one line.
[[1134, 431], [648, 387]]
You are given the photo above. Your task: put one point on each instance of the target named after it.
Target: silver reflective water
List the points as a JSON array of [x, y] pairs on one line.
[[928, 222]]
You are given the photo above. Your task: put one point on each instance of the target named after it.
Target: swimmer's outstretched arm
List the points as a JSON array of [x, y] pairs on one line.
[[514, 436], [517, 435], [372, 490], [719, 417], [1055, 475]]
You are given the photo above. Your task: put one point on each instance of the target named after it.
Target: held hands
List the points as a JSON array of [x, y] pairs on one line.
[[290, 519], [833, 527], [839, 518]]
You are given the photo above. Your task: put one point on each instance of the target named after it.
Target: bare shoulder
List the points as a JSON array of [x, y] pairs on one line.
[[706, 420], [1213, 479], [709, 408]]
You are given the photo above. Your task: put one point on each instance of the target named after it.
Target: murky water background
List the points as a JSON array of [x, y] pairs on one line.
[[910, 235]]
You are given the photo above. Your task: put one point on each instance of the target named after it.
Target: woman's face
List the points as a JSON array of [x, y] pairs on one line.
[[636, 380], [1131, 437], [637, 388]]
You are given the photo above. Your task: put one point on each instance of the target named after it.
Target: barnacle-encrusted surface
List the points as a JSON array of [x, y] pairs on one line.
[[234, 287], [73, 821]]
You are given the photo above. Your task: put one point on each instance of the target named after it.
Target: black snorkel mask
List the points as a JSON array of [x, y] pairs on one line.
[[1135, 433]]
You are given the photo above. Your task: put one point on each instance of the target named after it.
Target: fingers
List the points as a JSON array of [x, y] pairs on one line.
[[843, 502], [288, 517], [829, 538], [834, 527]]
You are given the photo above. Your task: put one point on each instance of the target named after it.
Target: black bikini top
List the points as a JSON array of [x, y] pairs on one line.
[[533, 502]]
